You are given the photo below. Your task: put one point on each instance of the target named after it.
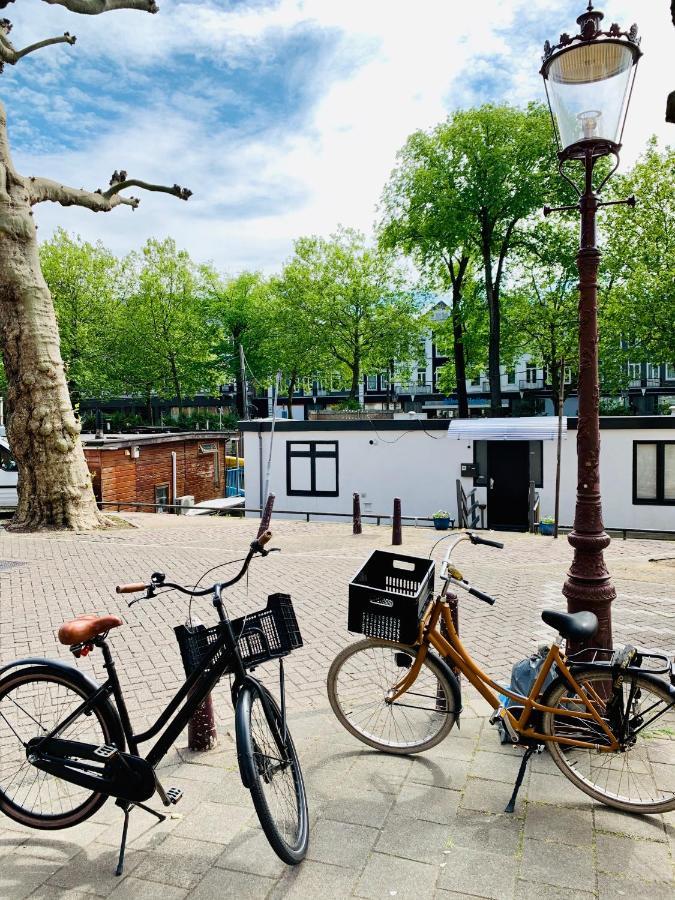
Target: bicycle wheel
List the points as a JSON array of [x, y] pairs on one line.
[[32, 702], [637, 778], [272, 773], [358, 681]]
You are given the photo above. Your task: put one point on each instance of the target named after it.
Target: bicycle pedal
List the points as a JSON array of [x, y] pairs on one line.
[[106, 751], [173, 795], [499, 715]]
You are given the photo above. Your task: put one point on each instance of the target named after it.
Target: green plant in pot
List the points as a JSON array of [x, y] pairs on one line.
[[441, 520], [546, 525]]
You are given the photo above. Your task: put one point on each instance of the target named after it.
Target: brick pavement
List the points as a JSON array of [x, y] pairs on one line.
[[429, 826]]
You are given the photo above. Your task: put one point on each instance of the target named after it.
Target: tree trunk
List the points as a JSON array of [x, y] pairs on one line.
[[356, 374], [291, 391], [492, 296], [176, 383], [457, 278], [55, 489]]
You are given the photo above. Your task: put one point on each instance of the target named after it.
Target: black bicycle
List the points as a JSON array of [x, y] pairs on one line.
[[67, 744]]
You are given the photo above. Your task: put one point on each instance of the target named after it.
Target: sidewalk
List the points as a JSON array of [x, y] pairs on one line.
[[424, 826]]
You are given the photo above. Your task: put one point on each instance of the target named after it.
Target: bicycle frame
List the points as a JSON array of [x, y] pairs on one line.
[[453, 650], [193, 691]]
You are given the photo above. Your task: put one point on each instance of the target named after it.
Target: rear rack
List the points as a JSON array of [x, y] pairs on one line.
[[603, 657]]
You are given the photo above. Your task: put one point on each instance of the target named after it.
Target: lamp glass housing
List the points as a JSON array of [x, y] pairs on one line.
[[588, 89]]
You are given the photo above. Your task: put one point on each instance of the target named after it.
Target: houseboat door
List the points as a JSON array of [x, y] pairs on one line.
[[508, 484]]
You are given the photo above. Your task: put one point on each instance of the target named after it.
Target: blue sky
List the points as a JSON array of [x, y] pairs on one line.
[[283, 116]]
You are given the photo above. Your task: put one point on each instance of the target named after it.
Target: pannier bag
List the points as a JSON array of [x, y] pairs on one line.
[[523, 675]]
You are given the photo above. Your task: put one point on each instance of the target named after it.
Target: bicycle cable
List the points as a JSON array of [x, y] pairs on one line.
[[208, 572], [444, 538]]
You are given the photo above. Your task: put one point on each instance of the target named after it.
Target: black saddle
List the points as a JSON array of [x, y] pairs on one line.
[[577, 626]]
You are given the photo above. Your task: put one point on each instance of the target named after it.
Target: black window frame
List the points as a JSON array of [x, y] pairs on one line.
[[312, 454], [660, 499]]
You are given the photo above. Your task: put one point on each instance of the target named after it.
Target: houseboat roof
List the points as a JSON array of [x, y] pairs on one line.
[[119, 441]]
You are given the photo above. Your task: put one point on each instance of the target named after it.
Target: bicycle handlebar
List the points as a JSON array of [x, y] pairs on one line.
[[486, 598], [130, 588], [475, 539]]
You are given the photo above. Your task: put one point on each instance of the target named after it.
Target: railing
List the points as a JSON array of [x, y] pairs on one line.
[[245, 510], [535, 384], [533, 508], [413, 388], [469, 510], [234, 482]]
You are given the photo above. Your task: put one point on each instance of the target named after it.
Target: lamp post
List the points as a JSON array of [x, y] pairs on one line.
[[589, 79]]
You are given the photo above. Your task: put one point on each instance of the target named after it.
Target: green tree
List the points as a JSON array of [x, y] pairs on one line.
[[541, 300], [360, 312], [166, 337], [83, 280], [465, 189], [637, 299]]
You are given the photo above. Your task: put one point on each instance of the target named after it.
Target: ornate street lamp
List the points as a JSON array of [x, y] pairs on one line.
[[589, 79]]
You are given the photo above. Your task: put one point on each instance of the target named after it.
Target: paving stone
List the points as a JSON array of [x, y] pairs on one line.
[[315, 881], [559, 865], [20, 877], [564, 825], [454, 746], [613, 820], [249, 851], [614, 887], [179, 862], [93, 870], [490, 796], [359, 807], [426, 802], [341, 844], [634, 858], [478, 873], [497, 766], [527, 890], [442, 772], [556, 789], [406, 838], [137, 889], [221, 884], [214, 822], [495, 833], [404, 879]]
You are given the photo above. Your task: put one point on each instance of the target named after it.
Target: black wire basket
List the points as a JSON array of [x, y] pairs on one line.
[[270, 633], [388, 596]]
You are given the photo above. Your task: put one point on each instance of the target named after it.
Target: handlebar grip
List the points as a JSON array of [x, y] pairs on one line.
[[486, 598], [265, 538], [130, 588], [479, 540]]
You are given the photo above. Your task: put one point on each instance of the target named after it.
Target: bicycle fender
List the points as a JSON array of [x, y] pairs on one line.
[[80, 678], [454, 682]]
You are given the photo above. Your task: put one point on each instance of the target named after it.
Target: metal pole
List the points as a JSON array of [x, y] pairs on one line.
[[202, 728], [244, 386], [267, 515], [588, 585], [356, 513], [396, 535], [561, 403]]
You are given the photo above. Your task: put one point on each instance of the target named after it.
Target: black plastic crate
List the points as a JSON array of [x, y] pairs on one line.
[[388, 596], [267, 634]]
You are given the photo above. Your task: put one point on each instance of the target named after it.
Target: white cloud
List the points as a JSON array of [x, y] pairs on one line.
[[415, 57]]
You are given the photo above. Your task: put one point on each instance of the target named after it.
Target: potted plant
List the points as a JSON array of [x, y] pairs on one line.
[[546, 525], [441, 520]]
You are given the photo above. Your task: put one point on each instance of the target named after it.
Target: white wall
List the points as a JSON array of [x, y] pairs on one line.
[[421, 470]]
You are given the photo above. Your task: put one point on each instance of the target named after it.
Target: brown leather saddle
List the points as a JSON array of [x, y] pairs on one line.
[[86, 627]]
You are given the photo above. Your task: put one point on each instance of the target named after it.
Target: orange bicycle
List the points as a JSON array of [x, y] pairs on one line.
[[608, 722]]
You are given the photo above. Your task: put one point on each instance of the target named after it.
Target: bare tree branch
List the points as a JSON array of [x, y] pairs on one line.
[[42, 190], [8, 53], [96, 7]]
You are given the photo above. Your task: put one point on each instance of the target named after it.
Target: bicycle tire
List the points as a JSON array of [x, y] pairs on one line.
[[376, 672], [265, 757], [53, 689], [636, 769]]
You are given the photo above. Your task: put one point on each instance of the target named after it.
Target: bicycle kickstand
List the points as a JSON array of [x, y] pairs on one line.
[[511, 805], [126, 808]]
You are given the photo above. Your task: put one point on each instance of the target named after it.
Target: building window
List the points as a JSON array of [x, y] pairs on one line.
[[421, 377], [371, 382], [162, 497], [312, 468], [531, 374], [568, 375], [654, 472], [634, 371], [384, 381], [670, 372], [475, 382], [653, 371], [510, 376]]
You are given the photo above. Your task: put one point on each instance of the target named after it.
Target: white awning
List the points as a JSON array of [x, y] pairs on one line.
[[527, 428]]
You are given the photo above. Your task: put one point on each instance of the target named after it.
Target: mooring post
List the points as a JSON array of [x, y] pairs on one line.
[[356, 513], [267, 515], [396, 536], [202, 733]]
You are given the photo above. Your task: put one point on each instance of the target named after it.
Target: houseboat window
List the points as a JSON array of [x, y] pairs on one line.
[[537, 463], [480, 460], [161, 497], [654, 472], [312, 469]]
